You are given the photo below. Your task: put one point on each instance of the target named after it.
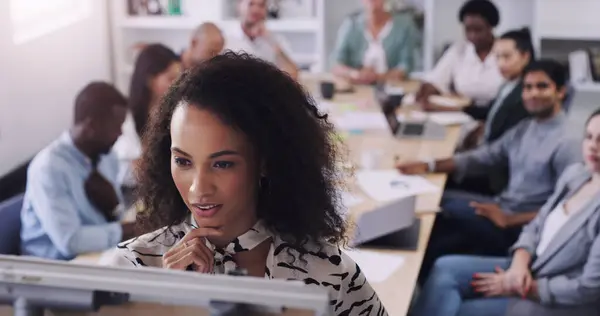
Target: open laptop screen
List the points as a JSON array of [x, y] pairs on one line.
[[389, 104]]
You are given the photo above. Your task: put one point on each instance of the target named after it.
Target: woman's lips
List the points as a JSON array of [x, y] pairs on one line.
[[206, 210]]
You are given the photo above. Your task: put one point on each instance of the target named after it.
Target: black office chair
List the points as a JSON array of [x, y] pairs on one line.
[[10, 225]]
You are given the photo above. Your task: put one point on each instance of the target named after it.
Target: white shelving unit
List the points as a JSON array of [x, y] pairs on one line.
[[188, 24], [303, 29]]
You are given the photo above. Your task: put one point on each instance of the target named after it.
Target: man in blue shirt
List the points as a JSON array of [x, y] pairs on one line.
[[72, 197]]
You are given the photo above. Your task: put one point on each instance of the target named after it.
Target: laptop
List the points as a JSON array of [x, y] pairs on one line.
[[390, 100]]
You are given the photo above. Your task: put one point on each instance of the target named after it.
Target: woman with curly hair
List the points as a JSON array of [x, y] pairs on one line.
[[239, 171]]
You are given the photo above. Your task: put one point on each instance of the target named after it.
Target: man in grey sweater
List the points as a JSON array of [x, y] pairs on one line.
[[536, 151]]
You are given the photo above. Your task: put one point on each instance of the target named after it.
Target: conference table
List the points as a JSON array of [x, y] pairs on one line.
[[397, 290]]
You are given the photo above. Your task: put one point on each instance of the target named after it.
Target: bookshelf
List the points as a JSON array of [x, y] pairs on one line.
[[301, 22]]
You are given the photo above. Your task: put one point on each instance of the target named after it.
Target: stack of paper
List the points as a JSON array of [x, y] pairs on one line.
[[445, 101], [376, 266], [393, 90], [414, 116], [450, 118], [360, 121], [390, 185]]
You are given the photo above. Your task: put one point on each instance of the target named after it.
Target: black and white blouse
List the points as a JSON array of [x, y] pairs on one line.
[[327, 267]]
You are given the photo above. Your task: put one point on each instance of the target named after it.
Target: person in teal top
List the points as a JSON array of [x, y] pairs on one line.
[[375, 45]]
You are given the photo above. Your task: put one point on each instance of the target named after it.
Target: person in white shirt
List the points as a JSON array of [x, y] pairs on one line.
[[255, 39], [375, 45], [156, 68], [468, 68]]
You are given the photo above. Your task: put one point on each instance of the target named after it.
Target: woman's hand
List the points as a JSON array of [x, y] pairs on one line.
[[191, 251], [491, 284], [519, 280]]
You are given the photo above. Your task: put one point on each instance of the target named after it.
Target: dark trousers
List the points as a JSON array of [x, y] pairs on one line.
[[458, 230]]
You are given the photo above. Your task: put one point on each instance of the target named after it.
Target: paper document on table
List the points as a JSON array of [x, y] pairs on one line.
[[450, 118], [390, 185], [445, 101], [324, 106], [349, 200], [393, 90], [360, 121], [377, 266], [413, 116], [442, 118]]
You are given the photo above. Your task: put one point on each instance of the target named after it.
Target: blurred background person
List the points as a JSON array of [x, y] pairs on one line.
[[375, 45], [156, 67], [469, 68]]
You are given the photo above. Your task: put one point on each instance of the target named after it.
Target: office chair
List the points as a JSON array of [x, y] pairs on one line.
[[10, 225]]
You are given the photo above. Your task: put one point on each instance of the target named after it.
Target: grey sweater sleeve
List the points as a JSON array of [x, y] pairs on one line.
[[481, 159]]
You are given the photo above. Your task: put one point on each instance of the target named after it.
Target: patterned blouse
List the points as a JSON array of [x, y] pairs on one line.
[[327, 267]]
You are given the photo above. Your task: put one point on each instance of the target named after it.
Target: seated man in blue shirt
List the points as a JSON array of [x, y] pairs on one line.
[[536, 151], [72, 197]]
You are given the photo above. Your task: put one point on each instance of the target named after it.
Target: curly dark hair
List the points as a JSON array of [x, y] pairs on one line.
[[294, 142], [483, 8], [153, 60]]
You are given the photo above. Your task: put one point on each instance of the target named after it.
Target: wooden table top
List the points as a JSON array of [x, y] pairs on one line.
[[395, 292]]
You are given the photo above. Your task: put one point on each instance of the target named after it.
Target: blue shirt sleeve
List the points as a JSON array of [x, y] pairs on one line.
[[55, 208]]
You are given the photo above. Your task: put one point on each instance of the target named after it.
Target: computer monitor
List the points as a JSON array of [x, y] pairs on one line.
[[33, 285]]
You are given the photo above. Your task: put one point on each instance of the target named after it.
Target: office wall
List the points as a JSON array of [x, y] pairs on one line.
[[40, 77]]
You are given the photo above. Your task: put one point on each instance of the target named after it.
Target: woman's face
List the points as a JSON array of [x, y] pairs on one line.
[[159, 84], [591, 144], [510, 60], [477, 31], [215, 170]]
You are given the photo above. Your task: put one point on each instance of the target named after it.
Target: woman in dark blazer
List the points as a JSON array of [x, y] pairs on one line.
[[555, 264], [514, 51]]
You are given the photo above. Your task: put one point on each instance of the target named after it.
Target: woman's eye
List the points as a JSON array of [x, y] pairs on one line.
[[223, 164], [182, 162]]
